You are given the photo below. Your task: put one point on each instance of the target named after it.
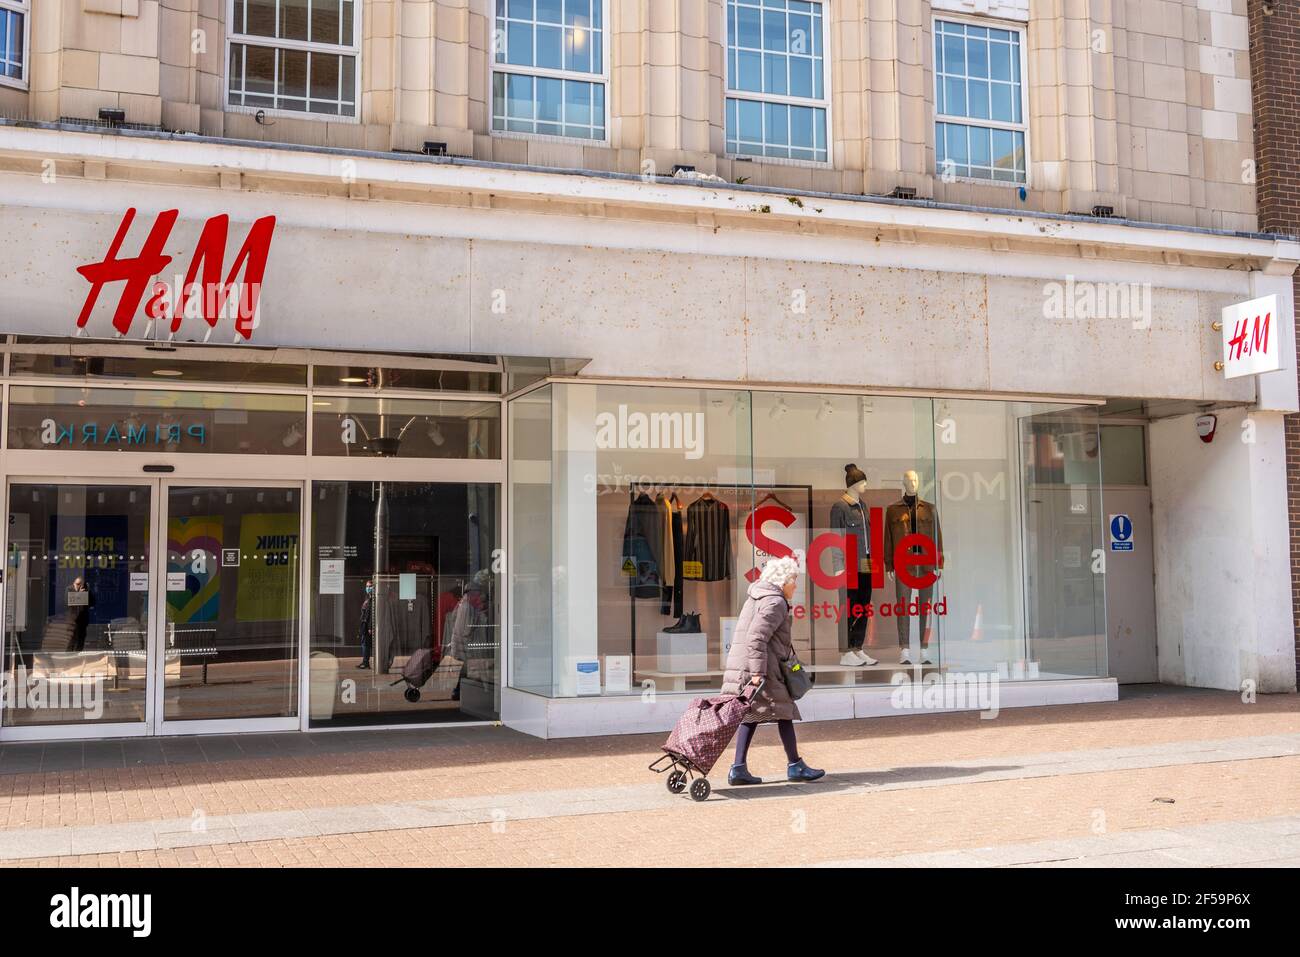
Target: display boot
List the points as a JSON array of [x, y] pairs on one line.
[[693, 626], [678, 627]]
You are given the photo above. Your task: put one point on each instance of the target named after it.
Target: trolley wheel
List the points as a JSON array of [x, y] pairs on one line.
[[700, 789], [677, 782], [411, 694]]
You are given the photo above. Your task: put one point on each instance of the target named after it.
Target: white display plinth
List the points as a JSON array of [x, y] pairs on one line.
[[682, 652]]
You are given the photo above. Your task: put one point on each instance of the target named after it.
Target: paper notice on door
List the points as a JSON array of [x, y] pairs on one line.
[[331, 576], [176, 581], [406, 586], [139, 581]]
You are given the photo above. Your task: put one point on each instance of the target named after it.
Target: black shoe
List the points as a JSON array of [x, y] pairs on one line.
[[739, 774], [799, 771], [693, 626], [364, 666], [678, 628]]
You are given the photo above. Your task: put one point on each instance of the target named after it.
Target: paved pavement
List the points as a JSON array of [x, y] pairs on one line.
[[1164, 776]]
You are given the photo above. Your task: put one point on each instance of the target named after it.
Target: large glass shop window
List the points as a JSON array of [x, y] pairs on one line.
[[936, 537], [405, 602], [860, 469]]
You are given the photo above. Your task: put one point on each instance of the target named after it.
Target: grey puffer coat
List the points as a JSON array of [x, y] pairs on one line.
[[761, 640]]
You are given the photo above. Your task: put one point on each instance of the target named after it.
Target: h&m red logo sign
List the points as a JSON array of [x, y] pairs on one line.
[[210, 299]]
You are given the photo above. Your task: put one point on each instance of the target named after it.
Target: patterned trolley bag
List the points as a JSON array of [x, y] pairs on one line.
[[702, 733]]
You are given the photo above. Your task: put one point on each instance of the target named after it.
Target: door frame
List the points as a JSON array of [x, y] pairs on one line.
[[158, 723], [153, 724], [87, 730]]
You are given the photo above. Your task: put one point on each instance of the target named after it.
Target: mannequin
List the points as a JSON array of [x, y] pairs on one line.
[[911, 514], [849, 517]]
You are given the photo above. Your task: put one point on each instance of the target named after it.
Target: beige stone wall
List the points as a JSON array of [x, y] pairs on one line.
[[1143, 105]]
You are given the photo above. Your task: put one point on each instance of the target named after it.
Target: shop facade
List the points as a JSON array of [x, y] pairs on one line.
[[546, 427]]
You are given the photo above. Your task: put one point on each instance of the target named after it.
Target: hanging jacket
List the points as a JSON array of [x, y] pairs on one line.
[[643, 548]]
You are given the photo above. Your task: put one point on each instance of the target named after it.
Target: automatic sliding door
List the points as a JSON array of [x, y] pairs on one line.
[[230, 644], [77, 598]]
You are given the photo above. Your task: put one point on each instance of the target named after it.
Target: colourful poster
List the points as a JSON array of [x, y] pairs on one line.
[[193, 549], [268, 568]]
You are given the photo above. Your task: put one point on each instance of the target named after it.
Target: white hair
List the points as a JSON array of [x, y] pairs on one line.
[[780, 571]]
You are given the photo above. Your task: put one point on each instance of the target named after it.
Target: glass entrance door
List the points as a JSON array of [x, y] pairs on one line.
[[77, 599], [150, 607], [230, 606]]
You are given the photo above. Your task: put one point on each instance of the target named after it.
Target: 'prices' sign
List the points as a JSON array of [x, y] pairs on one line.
[[1252, 341]]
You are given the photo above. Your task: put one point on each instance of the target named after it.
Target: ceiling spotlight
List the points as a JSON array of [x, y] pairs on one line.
[[292, 436], [779, 409], [435, 434], [827, 409]]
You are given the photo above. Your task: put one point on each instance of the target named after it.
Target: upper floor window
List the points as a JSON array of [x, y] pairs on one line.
[[296, 56], [979, 129], [548, 74], [13, 40], [776, 79]]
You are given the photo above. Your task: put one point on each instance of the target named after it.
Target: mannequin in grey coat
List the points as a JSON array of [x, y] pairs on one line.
[[761, 640]]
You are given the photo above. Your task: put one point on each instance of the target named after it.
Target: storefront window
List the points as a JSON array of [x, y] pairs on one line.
[[649, 481], [405, 620], [405, 428], [532, 661], [841, 465], [973, 528], [153, 421], [1064, 543]]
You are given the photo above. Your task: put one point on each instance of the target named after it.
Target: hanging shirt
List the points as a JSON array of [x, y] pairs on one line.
[[708, 541]]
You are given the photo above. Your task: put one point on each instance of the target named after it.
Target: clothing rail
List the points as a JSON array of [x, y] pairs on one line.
[[759, 492]]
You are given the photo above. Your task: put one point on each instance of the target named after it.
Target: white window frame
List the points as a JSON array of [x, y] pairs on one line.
[[232, 38], [604, 77], [23, 7], [823, 104], [1022, 127]]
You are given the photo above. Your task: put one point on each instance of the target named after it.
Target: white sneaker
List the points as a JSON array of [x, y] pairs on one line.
[[849, 660], [904, 656], [864, 658], [925, 657]]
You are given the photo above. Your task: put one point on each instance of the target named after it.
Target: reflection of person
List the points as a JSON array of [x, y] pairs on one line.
[[761, 640], [80, 614], [471, 612], [366, 628]]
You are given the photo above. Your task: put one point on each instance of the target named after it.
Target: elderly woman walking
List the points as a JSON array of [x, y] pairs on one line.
[[761, 640]]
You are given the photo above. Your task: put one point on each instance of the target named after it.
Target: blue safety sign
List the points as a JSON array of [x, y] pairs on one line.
[[1121, 533]]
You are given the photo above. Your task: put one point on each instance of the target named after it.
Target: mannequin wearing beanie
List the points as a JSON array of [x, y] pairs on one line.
[[849, 517]]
